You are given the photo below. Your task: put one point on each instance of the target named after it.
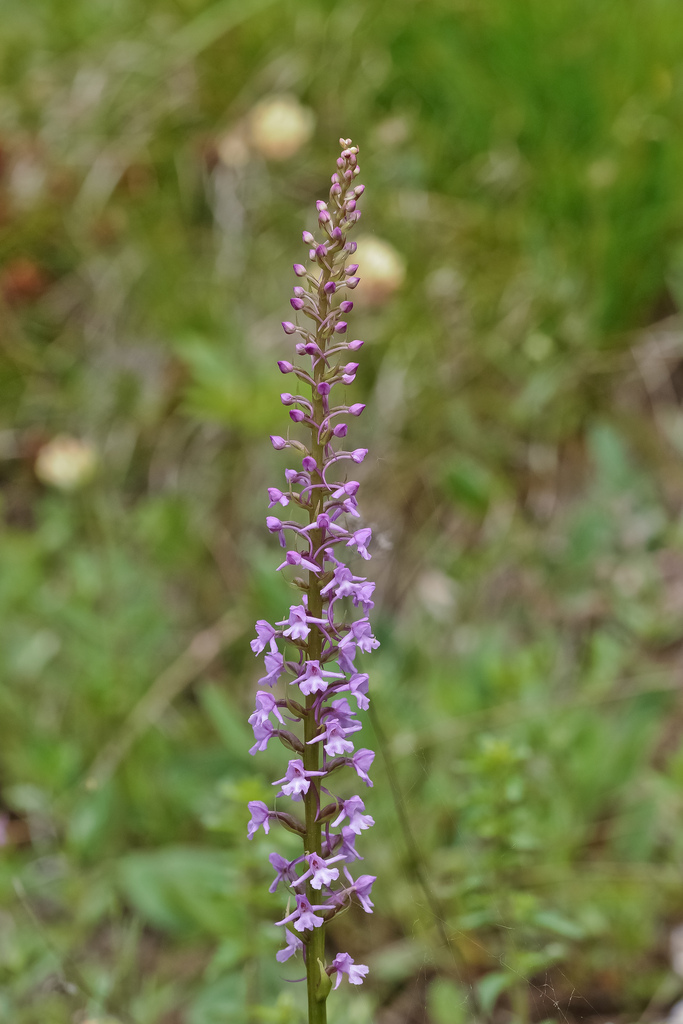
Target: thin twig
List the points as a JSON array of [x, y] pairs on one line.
[[204, 648], [418, 862], [67, 965]]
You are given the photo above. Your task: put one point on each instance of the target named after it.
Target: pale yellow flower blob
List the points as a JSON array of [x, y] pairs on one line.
[[233, 149], [279, 126], [382, 270], [66, 463]]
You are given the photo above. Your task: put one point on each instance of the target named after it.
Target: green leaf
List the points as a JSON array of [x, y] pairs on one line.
[[447, 1003], [491, 986], [560, 925], [184, 889]]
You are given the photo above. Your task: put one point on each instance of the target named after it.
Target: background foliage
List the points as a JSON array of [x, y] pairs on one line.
[[523, 160]]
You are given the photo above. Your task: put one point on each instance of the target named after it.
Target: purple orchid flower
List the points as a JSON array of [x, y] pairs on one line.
[[344, 964], [294, 944], [296, 780]]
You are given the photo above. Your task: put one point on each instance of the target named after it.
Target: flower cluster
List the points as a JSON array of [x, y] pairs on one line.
[[312, 652]]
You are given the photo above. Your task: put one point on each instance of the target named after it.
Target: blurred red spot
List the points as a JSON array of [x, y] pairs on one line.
[[22, 281]]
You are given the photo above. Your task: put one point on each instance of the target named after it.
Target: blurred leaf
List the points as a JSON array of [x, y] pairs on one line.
[[491, 986], [184, 889]]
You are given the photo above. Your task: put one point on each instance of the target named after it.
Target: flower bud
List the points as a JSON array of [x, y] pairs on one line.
[[284, 366], [296, 415], [350, 367], [323, 217], [351, 269], [286, 398], [323, 388], [351, 282], [299, 291], [337, 234], [350, 205], [321, 250], [278, 442], [296, 303], [340, 430], [340, 328], [320, 205], [346, 306], [351, 247], [356, 344], [299, 270], [335, 190], [358, 454], [288, 327], [309, 464], [330, 288], [356, 409], [308, 238]]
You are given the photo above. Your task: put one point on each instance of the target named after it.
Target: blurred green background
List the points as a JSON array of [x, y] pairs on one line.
[[522, 264]]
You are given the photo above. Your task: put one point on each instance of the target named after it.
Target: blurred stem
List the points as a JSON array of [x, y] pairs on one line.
[[71, 973], [418, 865], [203, 649]]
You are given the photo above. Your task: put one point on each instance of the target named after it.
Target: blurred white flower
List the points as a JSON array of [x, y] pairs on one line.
[[66, 462], [233, 149], [676, 949], [279, 126], [382, 270]]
